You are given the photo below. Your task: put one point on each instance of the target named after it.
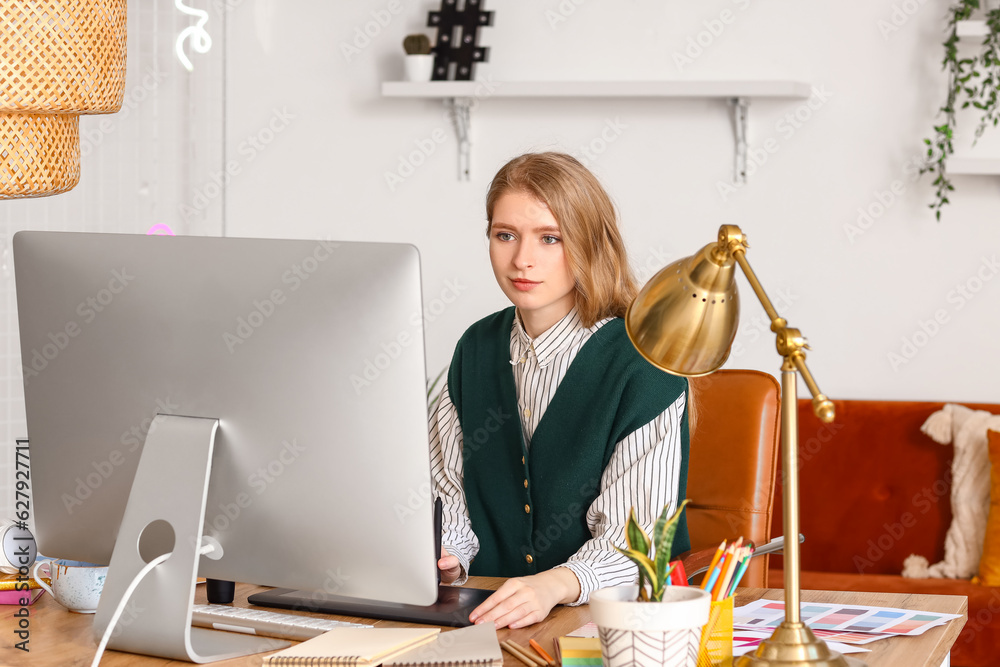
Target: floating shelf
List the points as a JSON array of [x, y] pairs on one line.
[[968, 165], [709, 89], [974, 165], [971, 29], [458, 96]]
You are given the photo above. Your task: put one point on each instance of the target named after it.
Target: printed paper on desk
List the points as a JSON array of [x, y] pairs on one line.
[[745, 641], [589, 630], [844, 618]]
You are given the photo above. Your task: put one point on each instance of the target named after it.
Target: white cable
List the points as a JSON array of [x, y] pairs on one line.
[[128, 594], [121, 605]]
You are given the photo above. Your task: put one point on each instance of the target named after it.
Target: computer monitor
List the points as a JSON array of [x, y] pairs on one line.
[[302, 361]]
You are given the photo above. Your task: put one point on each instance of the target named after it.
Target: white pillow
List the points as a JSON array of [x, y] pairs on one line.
[[970, 491]]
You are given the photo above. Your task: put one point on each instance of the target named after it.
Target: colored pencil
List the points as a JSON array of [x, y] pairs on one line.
[[711, 566], [679, 576], [538, 648], [730, 570], [528, 653], [741, 571], [723, 568], [518, 652]]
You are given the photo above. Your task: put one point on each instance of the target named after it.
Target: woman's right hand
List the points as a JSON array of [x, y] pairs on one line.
[[450, 568]]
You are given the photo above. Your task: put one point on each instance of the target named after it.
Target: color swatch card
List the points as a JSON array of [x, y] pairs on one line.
[[841, 618], [850, 637], [746, 641]]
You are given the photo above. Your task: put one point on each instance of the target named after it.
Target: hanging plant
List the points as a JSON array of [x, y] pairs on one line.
[[972, 81]]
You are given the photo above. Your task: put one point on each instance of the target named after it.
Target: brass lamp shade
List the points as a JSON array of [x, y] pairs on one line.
[[685, 318], [684, 322]]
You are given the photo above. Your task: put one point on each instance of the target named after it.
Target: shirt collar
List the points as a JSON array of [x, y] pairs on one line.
[[545, 346]]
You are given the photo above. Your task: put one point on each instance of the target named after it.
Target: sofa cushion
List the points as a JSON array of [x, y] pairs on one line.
[[989, 564], [970, 491]]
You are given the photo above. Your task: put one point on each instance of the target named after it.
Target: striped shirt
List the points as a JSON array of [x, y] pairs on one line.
[[643, 471]]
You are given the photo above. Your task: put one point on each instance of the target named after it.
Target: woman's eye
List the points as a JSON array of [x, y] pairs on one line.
[[505, 236], [549, 240]]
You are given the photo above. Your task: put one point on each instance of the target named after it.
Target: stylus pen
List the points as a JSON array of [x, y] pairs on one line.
[[438, 523]]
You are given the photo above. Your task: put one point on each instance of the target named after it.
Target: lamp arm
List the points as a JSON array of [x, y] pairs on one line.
[[791, 344], [793, 643]]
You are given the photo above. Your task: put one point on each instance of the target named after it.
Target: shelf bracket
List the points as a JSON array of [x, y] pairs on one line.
[[459, 110], [739, 107]]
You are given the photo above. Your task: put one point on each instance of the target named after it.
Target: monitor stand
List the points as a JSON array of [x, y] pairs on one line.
[[165, 513]]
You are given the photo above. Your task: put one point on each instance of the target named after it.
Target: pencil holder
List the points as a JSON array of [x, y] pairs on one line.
[[716, 647]]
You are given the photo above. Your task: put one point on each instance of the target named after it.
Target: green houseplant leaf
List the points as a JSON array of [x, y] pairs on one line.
[[646, 567], [635, 535], [666, 576], [972, 81], [654, 568], [663, 537]]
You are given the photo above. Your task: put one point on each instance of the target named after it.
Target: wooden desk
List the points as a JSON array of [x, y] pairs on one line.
[[63, 639]]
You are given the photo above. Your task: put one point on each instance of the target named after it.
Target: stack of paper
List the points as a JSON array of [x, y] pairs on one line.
[[844, 627], [580, 651]]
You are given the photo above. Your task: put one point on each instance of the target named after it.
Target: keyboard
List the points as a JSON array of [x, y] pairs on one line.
[[264, 623]]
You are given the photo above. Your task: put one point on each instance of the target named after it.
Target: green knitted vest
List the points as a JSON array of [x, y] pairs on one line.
[[608, 392]]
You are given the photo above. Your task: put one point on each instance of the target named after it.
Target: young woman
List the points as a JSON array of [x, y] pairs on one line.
[[551, 425]]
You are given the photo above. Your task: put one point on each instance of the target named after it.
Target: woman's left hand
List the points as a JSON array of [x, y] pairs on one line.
[[526, 600]]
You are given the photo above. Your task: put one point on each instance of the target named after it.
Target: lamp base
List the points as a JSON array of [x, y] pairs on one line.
[[793, 644]]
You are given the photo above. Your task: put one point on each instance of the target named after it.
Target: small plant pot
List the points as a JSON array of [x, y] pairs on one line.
[[653, 634], [419, 67]]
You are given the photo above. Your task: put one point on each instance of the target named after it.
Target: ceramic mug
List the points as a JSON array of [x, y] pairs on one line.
[[75, 585]]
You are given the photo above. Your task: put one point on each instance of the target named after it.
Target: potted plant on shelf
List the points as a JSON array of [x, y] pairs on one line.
[[419, 59], [652, 623], [973, 80]]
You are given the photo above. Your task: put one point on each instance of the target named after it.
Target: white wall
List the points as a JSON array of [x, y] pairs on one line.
[[855, 296], [149, 164], [312, 140]]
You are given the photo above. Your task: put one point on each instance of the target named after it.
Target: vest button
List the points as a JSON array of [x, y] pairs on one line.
[[529, 558], [522, 460], [527, 509], [525, 483], [527, 412]]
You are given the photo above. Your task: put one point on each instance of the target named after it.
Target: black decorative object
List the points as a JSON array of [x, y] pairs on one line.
[[465, 53]]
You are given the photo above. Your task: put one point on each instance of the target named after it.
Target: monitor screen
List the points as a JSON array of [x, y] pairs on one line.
[[309, 353]]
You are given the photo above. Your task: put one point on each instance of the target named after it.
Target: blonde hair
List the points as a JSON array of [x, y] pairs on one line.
[[588, 222]]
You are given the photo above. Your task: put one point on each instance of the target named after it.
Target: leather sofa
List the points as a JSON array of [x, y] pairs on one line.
[[873, 490]]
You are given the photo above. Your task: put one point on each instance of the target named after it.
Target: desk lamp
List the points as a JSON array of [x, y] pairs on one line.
[[683, 322]]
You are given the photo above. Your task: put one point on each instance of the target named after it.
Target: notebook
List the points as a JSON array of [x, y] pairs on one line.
[[353, 646], [474, 646]]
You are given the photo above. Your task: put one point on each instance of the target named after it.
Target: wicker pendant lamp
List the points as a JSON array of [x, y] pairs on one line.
[[58, 59]]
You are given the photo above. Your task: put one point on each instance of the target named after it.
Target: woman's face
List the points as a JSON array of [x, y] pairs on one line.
[[529, 260]]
